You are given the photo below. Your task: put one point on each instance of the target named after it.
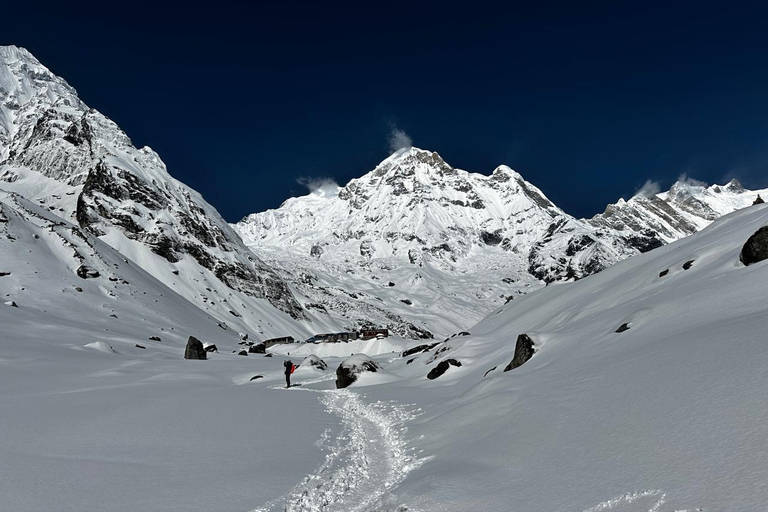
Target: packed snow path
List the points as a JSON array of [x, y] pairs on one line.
[[367, 460]]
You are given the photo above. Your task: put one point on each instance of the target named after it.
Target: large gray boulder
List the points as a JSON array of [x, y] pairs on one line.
[[353, 366], [524, 350], [194, 349], [756, 248]]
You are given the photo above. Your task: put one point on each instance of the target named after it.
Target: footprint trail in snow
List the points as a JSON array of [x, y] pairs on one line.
[[364, 463]]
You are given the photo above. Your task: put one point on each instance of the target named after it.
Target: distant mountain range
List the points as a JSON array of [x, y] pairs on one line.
[[414, 245]]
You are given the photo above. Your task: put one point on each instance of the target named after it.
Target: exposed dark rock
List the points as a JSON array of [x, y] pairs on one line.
[[353, 366], [234, 313], [78, 289], [441, 368], [243, 336], [86, 272], [316, 251], [255, 377], [157, 338], [194, 349], [524, 350], [406, 301], [242, 353], [419, 348], [113, 315], [259, 348], [463, 333], [663, 272], [140, 346], [267, 355], [688, 264], [756, 247], [11, 303], [391, 284], [175, 272], [3, 274], [211, 347], [410, 361], [758, 200], [491, 238], [623, 327], [489, 371]]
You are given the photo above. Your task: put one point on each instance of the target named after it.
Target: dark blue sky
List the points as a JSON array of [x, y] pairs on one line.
[[587, 100]]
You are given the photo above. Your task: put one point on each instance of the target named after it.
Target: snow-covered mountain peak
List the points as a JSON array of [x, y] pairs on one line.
[[58, 152]]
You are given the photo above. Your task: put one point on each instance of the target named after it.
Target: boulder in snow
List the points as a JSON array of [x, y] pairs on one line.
[[315, 362], [242, 353], [155, 338], [688, 264], [11, 303], [87, 272], [419, 348], [194, 349], [256, 377], [623, 327], [210, 347], [756, 248], [524, 350], [353, 366], [441, 368], [664, 272], [758, 200], [259, 348], [140, 346]]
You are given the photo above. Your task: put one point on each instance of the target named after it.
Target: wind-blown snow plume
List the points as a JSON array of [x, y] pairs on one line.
[[649, 189], [398, 140], [683, 179], [322, 184]]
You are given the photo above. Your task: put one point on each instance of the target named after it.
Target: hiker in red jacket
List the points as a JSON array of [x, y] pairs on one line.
[[288, 371]]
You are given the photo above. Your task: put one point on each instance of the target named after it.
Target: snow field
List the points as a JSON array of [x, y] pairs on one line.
[[364, 463]]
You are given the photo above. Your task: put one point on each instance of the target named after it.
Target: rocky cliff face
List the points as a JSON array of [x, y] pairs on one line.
[[58, 152]]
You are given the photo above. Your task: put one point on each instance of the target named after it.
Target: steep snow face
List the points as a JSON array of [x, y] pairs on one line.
[[80, 165]]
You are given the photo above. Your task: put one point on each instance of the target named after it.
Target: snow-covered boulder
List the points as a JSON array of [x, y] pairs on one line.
[[315, 362], [353, 366], [194, 349], [524, 350], [756, 248], [101, 346]]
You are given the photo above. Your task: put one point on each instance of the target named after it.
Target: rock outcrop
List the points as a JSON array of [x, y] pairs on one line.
[[194, 349], [441, 368], [524, 350], [349, 370]]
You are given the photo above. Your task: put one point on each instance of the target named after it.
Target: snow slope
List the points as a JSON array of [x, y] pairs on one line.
[[668, 415]]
